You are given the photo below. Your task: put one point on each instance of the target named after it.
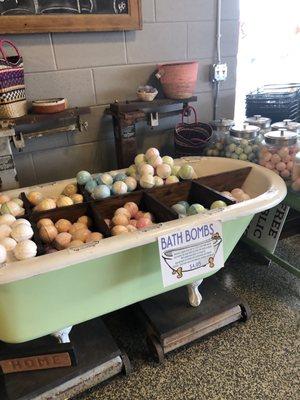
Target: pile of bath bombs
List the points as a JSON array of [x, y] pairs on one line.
[[129, 219], [281, 161], [245, 151], [64, 234], [152, 170], [183, 208], [12, 206], [68, 197], [106, 184], [237, 194], [15, 235]]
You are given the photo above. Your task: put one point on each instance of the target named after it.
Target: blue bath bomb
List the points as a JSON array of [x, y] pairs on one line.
[[120, 177], [195, 209], [185, 204], [90, 185], [101, 192], [83, 177]]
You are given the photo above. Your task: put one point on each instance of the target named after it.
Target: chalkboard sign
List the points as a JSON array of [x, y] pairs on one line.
[[19, 16]]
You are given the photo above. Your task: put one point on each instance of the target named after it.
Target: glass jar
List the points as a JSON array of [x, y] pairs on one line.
[[296, 174], [287, 124], [263, 123], [278, 151], [243, 143], [221, 128]]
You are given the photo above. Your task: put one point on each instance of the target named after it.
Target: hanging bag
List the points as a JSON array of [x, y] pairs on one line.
[[191, 138], [12, 87]]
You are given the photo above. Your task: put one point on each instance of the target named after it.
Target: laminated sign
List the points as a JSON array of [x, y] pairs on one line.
[[191, 252]]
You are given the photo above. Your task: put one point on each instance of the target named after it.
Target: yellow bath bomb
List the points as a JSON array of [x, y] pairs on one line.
[[64, 201], [70, 189], [119, 230], [123, 211], [45, 222], [75, 243], [35, 197], [48, 233], [62, 240], [76, 226], [77, 198], [63, 225], [85, 220], [120, 219], [46, 204], [81, 234], [94, 237]]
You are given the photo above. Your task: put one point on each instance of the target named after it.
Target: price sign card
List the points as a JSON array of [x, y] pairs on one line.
[[191, 252]]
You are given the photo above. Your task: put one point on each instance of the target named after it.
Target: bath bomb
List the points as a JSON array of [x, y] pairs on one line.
[[143, 223], [106, 179], [227, 194], [238, 151], [34, 197], [20, 221], [101, 192], [185, 204], [120, 177], [18, 201], [168, 160], [175, 170], [62, 240], [195, 209], [266, 156], [48, 233], [283, 152], [133, 222], [132, 170], [131, 228], [281, 166], [237, 192], [285, 173], [123, 211], [155, 161], [113, 173], [139, 159], [149, 216], [75, 243], [7, 219], [158, 181], [139, 214], [45, 222], [4, 198], [85, 220], [290, 165], [77, 198], [3, 254], [275, 159], [25, 249], [8, 243], [243, 157], [218, 204], [83, 177], [94, 237], [46, 204], [186, 172], [147, 181], [119, 188], [120, 219], [21, 232], [119, 230], [81, 234], [171, 179], [90, 186], [63, 225], [244, 197], [5, 231], [152, 152], [70, 189], [12, 208], [163, 171], [75, 227], [146, 169], [64, 201], [179, 209], [131, 183]]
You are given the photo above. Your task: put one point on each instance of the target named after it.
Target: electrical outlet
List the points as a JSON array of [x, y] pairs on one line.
[[219, 72]]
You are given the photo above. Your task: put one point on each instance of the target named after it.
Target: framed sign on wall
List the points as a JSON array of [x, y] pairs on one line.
[[33, 16]]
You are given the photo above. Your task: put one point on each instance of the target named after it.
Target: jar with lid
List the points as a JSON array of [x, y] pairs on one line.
[[287, 124], [218, 142], [263, 123], [296, 174], [243, 143], [278, 152]]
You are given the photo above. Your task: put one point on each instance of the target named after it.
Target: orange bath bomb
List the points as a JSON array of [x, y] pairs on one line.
[[132, 208], [35, 198], [94, 237], [75, 243], [123, 211], [120, 219], [45, 222], [63, 225], [81, 234], [85, 220], [62, 240], [48, 233], [119, 230], [70, 189], [77, 198], [76, 226]]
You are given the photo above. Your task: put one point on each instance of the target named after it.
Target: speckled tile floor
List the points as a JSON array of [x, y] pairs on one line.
[[254, 360]]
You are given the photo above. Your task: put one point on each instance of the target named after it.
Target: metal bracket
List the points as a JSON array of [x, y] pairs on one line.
[[154, 119], [19, 141]]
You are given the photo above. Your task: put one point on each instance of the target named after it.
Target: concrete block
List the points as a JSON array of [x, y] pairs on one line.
[[229, 38], [75, 85], [120, 82], [89, 49], [231, 78], [203, 82], [25, 169], [226, 104], [184, 10], [107, 160], [36, 51], [204, 107], [202, 38], [157, 42], [148, 10], [230, 9]]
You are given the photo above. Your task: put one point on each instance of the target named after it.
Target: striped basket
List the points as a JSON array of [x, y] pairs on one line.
[[12, 87]]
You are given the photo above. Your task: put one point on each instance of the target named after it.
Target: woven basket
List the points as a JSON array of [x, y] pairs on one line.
[[12, 86]]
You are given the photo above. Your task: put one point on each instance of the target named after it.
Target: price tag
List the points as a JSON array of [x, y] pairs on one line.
[[191, 252]]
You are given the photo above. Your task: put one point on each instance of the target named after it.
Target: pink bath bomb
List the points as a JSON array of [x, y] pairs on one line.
[[287, 159], [283, 152], [290, 166], [285, 173], [281, 166], [237, 192], [152, 152], [139, 214], [164, 171], [275, 159], [267, 156], [269, 165], [143, 223]]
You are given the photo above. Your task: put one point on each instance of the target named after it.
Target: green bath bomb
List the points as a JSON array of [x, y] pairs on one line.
[[175, 170], [195, 209], [186, 172], [218, 204]]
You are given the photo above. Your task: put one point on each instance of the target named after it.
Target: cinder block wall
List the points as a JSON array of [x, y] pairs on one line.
[[97, 68]]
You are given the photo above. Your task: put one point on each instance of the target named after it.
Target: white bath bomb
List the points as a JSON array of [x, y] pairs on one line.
[[163, 171], [158, 181], [146, 169], [3, 254], [168, 160], [7, 219], [152, 152], [147, 181], [5, 231], [20, 221], [139, 159], [8, 243], [22, 232], [25, 249]]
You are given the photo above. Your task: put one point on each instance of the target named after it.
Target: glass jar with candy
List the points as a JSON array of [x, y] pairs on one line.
[[221, 128], [278, 151], [263, 123], [296, 174], [243, 143]]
